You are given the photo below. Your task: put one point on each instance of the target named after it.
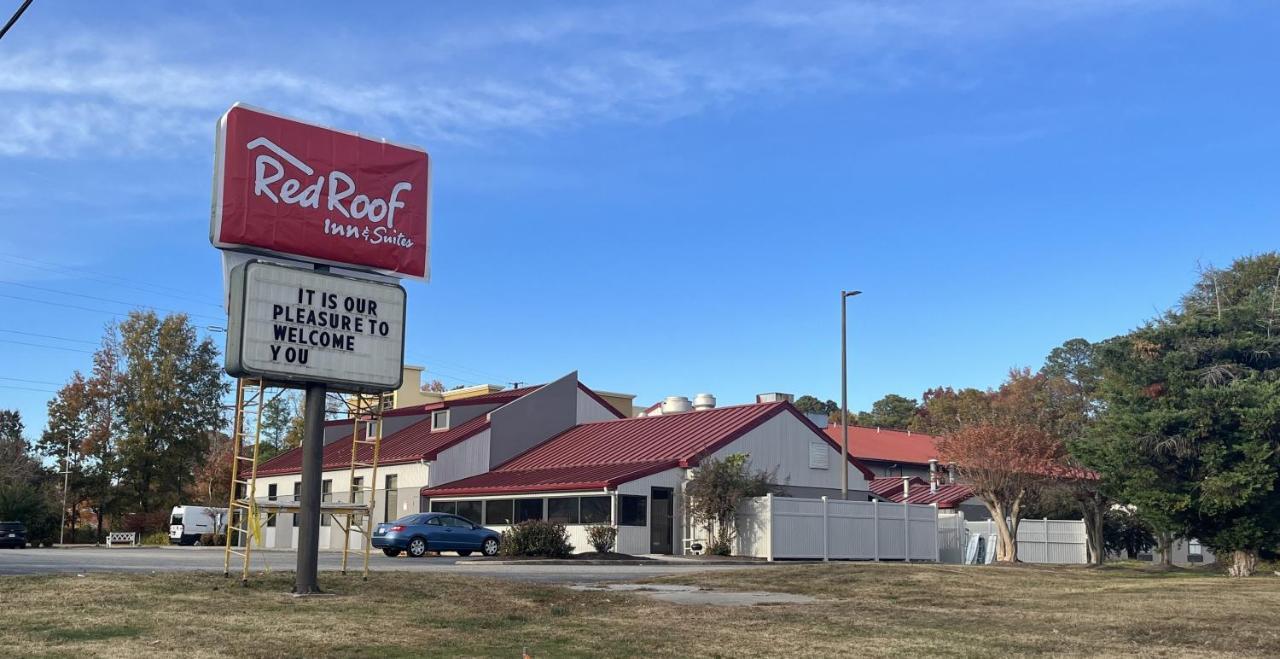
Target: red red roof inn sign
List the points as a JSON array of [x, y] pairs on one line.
[[289, 188]]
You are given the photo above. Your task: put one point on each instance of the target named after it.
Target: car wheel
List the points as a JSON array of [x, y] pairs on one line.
[[490, 547], [418, 547], [391, 552], [464, 552]]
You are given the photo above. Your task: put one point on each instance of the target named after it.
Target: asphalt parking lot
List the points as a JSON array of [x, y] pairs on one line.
[[80, 560]]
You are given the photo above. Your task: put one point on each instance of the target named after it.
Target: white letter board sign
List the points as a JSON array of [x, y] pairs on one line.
[[297, 325]]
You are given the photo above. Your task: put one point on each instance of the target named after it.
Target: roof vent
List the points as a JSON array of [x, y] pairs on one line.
[[676, 404], [775, 397], [704, 402]]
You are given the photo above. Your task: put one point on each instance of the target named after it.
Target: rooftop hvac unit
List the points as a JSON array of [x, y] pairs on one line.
[[676, 405]]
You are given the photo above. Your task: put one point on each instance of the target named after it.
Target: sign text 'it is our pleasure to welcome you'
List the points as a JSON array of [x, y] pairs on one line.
[[305, 325]]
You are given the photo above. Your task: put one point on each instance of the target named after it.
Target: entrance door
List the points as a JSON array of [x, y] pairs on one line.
[[660, 526]]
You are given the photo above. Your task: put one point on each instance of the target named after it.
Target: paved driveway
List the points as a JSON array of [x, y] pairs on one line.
[[209, 559]]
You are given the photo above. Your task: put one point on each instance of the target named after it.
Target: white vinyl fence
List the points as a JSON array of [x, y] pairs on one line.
[[784, 527], [1051, 541]]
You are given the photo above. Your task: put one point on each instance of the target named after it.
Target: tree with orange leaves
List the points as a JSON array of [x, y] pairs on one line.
[[1004, 449]]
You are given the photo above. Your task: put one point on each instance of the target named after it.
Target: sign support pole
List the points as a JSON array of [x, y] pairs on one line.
[[312, 471]]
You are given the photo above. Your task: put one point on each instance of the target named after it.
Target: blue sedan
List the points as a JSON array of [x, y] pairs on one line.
[[418, 534]]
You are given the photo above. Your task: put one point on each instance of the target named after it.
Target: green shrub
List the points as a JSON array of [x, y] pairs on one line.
[[213, 540], [157, 538], [536, 538], [720, 546], [602, 537]]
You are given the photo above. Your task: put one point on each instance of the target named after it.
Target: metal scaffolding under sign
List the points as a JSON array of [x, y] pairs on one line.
[[247, 513]]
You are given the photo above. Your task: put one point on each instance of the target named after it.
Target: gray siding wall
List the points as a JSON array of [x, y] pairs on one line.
[[464, 459], [589, 409], [893, 469], [819, 492], [522, 424], [463, 413]]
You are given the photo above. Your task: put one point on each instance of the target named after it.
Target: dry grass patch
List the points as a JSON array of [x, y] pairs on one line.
[[866, 610], [1025, 609]]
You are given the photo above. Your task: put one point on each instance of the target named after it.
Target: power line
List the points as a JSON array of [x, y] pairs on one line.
[[48, 336], [114, 280], [115, 314], [493, 377], [62, 304], [37, 345], [56, 384], [106, 299], [16, 15], [9, 386]]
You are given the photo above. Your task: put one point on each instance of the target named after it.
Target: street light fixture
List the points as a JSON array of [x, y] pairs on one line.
[[844, 393]]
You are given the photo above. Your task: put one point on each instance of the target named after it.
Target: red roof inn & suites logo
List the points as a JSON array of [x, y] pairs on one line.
[[290, 188]]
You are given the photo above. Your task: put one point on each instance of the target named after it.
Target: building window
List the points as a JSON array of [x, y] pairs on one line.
[[563, 510], [472, 511], [440, 420], [450, 507], [596, 510], [297, 495], [499, 511], [326, 495], [527, 509], [271, 496], [357, 490], [391, 501], [1195, 551], [632, 510]]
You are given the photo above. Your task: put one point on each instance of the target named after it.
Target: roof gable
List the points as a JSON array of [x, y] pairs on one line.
[[607, 453]]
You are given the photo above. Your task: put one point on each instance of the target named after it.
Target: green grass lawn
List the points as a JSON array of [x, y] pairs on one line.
[[864, 610]]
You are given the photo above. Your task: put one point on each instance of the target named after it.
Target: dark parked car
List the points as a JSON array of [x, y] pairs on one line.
[[418, 534], [13, 534]]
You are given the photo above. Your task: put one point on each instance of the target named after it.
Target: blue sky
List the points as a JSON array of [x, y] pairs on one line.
[[666, 196]]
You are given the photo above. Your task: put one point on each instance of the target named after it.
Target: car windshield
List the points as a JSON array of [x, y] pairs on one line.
[[10, 526], [408, 520]]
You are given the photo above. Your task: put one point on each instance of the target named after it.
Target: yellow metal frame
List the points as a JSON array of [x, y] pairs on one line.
[[244, 511], [367, 410]]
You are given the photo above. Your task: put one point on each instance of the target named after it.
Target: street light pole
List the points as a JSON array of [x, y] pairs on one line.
[[66, 481], [844, 392]]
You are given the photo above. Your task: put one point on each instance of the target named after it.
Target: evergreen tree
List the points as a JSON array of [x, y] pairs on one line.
[[1190, 435]]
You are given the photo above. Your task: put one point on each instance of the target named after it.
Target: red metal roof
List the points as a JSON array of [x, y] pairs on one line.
[[887, 486], [887, 445], [555, 479], [411, 444], [948, 496], [674, 437], [631, 447]]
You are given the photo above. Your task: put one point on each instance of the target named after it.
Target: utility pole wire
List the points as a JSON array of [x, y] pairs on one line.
[[16, 15]]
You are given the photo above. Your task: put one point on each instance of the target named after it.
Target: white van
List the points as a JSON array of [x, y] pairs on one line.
[[188, 523]]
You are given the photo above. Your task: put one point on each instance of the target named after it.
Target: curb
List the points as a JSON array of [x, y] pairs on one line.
[[650, 563]]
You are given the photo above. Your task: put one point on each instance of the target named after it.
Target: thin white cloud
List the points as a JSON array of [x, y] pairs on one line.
[[543, 72]]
